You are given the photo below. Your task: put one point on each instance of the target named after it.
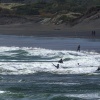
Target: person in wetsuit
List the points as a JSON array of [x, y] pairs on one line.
[[57, 66], [60, 61], [78, 48]]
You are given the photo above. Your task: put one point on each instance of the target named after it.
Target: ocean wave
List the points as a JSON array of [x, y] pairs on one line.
[[28, 60]]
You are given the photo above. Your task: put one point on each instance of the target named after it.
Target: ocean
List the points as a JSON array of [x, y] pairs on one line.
[[27, 70]]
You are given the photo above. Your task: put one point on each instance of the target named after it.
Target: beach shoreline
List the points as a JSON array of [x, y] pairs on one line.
[[50, 30]]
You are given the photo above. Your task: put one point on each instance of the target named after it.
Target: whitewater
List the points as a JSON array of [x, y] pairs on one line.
[[27, 70], [28, 60]]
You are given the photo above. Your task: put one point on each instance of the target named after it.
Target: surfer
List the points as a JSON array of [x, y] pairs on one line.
[[78, 48], [60, 61], [98, 69], [57, 66], [78, 64]]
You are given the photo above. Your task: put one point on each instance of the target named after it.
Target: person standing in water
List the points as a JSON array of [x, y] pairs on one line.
[[78, 48]]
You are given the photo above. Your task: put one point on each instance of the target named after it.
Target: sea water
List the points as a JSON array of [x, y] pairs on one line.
[[27, 70]]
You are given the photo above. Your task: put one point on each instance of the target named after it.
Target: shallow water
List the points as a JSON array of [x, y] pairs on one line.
[[27, 71]]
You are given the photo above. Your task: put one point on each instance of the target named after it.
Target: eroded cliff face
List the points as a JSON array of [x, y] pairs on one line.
[[91, 18]]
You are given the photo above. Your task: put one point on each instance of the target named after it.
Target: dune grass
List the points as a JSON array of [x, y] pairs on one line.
[[9, 5]]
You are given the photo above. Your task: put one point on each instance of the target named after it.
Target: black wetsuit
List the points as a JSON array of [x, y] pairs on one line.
[[57, 66], [60, 61], [78, 49]]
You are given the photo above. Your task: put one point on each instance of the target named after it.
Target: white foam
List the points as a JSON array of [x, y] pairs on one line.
[[28, 68], [1, 92], [88, 61], [59, 83], [93, 96]]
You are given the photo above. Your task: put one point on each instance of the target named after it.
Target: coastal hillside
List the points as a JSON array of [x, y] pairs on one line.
[[68, 12]]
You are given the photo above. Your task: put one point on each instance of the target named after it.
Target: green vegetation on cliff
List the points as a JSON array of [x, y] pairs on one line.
[[68, 10], [53, 6]]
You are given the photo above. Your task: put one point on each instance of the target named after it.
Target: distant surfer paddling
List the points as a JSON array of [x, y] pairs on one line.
[[57, 66], [60, 61], [98, 69]]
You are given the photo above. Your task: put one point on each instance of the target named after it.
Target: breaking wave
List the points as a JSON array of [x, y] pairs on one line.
[[28, 60]]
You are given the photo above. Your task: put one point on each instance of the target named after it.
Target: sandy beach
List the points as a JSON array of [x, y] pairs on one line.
[[83, 29]]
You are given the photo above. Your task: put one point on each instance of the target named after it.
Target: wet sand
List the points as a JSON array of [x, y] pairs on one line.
[[36, 29]]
